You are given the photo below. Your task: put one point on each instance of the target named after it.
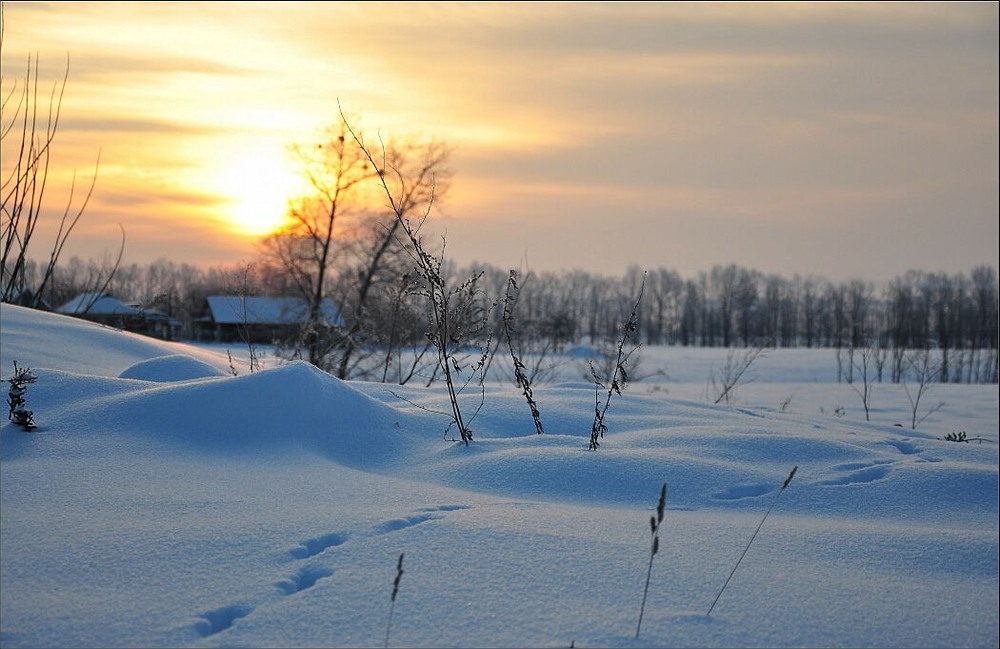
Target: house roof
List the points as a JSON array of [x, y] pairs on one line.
[[97, 303], [257, 310]]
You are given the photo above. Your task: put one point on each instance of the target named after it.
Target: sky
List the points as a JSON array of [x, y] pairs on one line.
[[845, 140], [163, 502]]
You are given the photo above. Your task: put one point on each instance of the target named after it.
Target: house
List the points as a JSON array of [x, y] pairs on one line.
[[258, 319], [104, 309], [100, 307]]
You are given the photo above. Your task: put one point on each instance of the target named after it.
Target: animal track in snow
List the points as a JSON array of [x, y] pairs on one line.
[[855, 466], [402, 523], [220, 619], [304, 579], [444, 508], [319, 544], [744, 491], [312, 547], [903, 446], [859, 473]]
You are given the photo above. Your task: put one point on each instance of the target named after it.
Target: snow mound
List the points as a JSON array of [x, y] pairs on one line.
[[38, 339], [175, 367], [289, 409]]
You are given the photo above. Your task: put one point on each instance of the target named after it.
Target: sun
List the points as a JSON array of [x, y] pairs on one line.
[[259, 187]]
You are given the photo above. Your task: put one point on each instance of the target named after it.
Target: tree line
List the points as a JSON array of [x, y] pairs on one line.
[[726, 306]]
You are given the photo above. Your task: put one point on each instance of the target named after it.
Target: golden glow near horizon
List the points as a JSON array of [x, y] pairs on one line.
[[259, 184], [674, 134]]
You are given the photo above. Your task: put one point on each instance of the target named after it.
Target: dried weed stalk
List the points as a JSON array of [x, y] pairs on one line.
[[449, 306], [619, 375], [520, 376]]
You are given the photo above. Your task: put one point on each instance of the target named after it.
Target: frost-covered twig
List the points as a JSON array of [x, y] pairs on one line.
[[17, 412], [447, 303], [520, 376], [619, 376]]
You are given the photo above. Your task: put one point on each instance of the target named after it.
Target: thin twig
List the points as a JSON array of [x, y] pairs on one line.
[[654, 524], [615, 385], [392, 600], [787, 480]]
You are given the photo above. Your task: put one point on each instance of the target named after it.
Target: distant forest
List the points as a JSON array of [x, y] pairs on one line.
[[726, 306]]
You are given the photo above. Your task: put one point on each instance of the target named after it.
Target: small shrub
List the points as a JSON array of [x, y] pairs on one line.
[[735, 372], [961, 437], [837, 412], [232, 365], [926, 369], [17, 412]]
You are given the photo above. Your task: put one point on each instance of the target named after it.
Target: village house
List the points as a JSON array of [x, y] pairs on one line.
[[100, 307], [256, 319]]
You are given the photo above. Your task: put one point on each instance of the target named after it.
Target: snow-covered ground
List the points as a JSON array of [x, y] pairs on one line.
[[164, 502]]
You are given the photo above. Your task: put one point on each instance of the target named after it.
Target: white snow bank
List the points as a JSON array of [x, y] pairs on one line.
[[38, 339], [175, 367]]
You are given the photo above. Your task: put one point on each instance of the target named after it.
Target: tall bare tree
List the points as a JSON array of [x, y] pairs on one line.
[[305, 247], [340, 243], [422, 176]]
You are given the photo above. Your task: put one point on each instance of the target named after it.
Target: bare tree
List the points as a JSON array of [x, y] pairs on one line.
[[735, 372], [305, 246], [403, 329], [338, 228], [745, 298], [858, 296], [809, 300], [422, 175], [903, 323], [925, 369], [28, 127], [863, 362], [723, 280], [244, 290], [667, 291]]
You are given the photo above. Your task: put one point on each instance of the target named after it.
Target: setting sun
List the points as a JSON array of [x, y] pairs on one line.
[[258, 187]]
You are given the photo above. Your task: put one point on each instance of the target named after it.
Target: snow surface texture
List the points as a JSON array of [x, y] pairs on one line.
[[165, 502]]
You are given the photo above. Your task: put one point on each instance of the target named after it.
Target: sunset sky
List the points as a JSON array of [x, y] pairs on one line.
[[837, 139]]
